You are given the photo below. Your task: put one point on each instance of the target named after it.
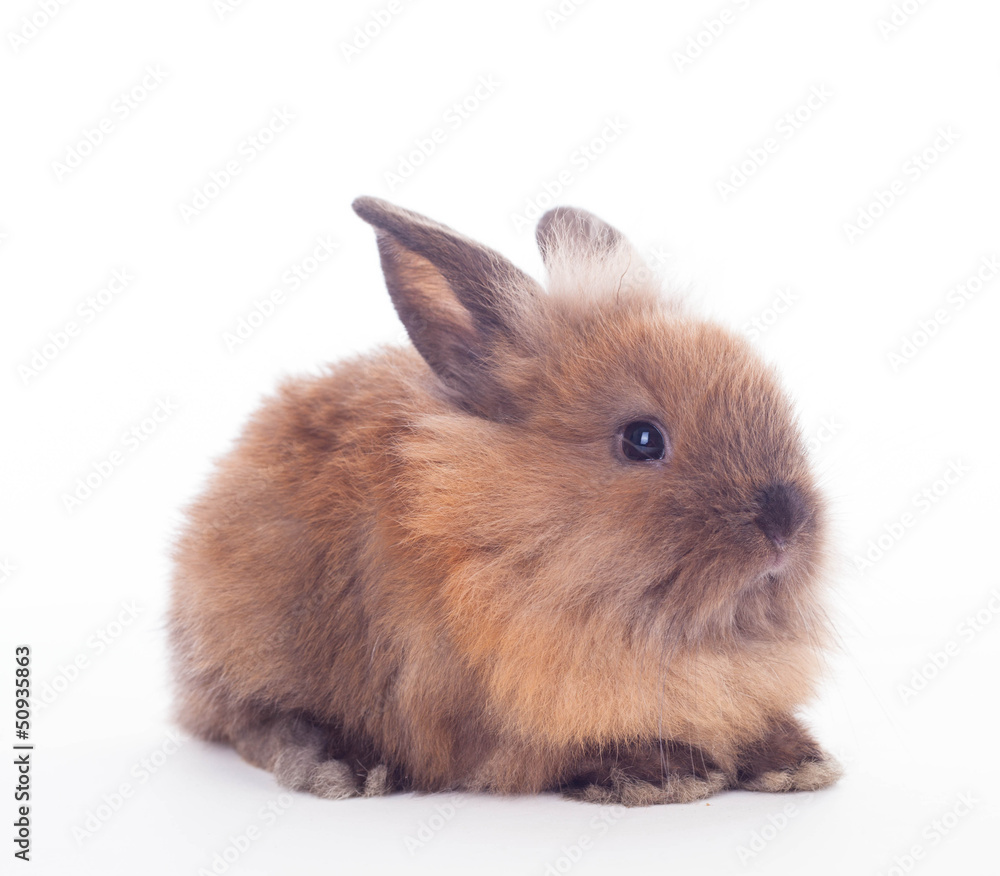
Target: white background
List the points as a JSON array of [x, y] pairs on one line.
[[883, 433]]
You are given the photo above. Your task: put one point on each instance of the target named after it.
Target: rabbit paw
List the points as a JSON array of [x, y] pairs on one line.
[[296, 752], [809, 775], [625, 790], [786, 759], [300, 770]]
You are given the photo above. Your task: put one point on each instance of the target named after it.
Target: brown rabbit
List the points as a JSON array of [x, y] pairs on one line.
[[571, 541]]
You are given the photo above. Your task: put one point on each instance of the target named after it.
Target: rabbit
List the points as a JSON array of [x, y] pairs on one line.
[[568, 541]]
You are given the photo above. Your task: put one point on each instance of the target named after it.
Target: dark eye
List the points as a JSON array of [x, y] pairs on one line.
[[643, 441]]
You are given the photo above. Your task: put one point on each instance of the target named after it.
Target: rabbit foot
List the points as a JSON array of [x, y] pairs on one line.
[[787, 759], [643, 774], [625, 790], [296, 751], [810, 775], [334, 779]]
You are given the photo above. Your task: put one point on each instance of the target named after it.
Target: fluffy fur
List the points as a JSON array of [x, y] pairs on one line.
[[433, 569]]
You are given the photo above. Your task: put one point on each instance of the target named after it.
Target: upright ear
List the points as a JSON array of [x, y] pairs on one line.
[[459, 301], [579, 248]]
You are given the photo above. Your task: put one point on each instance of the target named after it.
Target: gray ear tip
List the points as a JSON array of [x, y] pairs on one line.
[[368, 207], [569, 218], [573, 223], [556, 214], [555, 217]]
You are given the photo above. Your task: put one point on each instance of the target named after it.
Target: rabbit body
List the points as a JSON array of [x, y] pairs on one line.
[[433, 568]]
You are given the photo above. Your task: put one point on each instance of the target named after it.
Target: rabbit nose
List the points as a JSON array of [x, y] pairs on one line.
[[782, 513]]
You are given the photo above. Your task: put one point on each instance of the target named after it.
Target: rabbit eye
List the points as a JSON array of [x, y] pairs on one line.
[[643, 441]]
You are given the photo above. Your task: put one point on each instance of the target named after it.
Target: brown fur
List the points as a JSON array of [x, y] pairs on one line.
[[431, 568]]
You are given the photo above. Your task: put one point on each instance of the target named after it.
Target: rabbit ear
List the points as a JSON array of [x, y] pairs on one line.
[[577, 246], [459, 300]]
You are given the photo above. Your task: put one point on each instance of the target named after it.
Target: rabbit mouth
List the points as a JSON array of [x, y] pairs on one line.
[[778, 560]]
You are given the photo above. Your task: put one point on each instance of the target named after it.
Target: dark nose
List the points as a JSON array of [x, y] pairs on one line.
[[782, 513]]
